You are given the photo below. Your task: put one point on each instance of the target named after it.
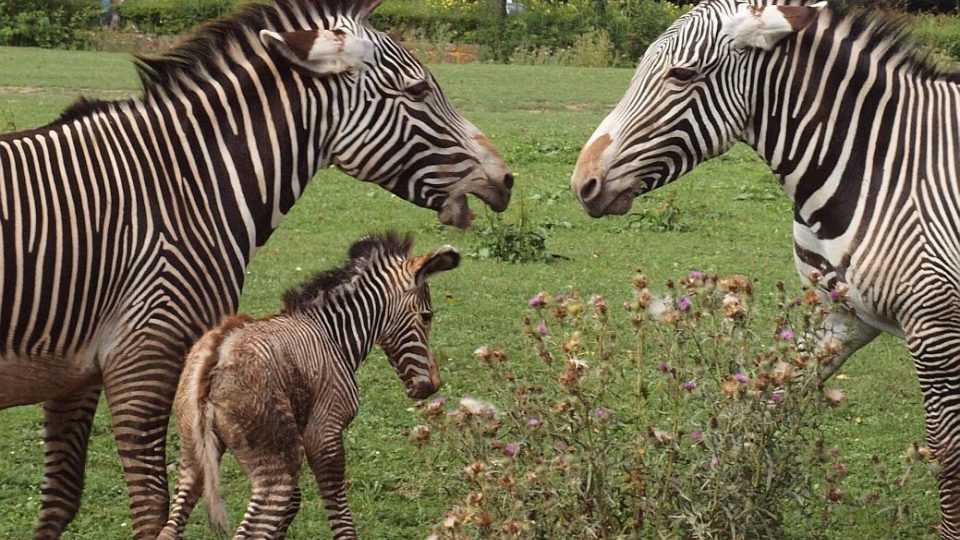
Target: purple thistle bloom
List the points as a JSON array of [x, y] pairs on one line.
[[689, 385], [599, 303], [695, 275], [537, 301], [786, 334], [835, 295], [777, 397], [741, 378], [696, 436], [664, 367], [560, 446], [510, 449], [602, 414], [542, 328], [440, 400], [535, 421], [684, 303]]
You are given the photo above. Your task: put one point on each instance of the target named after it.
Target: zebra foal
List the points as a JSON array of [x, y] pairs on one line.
[[863, 132], [275, 389]]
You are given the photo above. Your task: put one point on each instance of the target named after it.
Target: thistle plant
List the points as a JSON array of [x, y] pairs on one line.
[[683, 414]]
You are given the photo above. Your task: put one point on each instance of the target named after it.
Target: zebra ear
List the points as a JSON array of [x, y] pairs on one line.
[[765, 26], [321, 51], [442, 260]]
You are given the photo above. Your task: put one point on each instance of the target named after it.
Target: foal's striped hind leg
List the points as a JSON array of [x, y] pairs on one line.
[[292, 508], [327, 460], [66, 426]]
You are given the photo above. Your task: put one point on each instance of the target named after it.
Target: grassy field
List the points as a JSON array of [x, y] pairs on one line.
[[736, 221]]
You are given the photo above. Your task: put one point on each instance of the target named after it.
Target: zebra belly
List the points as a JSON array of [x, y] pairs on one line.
[[37, 379]]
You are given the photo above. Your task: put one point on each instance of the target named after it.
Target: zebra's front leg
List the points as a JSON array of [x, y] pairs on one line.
[[851, 334], [140, 394], [66, 434], [937, 360], [328, 462]]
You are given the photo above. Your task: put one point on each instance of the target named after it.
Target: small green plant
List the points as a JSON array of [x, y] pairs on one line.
[[515, 242], [682, 416], [665, 217]]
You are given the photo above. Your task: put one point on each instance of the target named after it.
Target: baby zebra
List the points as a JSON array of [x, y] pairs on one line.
[[271, 390]]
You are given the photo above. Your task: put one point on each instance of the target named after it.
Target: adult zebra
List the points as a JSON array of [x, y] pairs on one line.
[[864, 134], [126, 226]]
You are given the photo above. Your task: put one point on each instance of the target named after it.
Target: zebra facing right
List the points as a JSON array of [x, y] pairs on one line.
[[864, 134], [126, 227], [275, 389]]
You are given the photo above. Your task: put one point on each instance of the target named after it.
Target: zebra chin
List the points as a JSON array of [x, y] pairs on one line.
[[607, 202], [456, 212]]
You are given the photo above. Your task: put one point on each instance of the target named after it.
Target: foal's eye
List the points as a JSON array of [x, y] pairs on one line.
[[427, 316], [681, 74], [418, 91]]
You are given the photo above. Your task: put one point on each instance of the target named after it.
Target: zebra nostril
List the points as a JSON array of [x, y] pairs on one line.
[[508, 181], [590, 189]]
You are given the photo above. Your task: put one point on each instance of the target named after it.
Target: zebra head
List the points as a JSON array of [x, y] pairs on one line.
[[390, 122], [689, 101], [406, 335]]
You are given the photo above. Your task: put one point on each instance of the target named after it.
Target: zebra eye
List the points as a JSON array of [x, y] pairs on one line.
[[418, 91], [427, 316], [681, 74]]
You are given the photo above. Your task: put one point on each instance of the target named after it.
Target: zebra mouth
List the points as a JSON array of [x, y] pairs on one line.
[[455, 212]]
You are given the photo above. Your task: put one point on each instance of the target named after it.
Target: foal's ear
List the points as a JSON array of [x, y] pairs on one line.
[[445, 258], [765, 26], [322, 51]]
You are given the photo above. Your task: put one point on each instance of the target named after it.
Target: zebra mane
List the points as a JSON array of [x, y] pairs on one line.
[[362, 253], [894, 31], [210, 39]]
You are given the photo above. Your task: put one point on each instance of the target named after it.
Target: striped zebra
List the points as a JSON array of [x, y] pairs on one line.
[[289, 378], [125, 227], [864, 135]]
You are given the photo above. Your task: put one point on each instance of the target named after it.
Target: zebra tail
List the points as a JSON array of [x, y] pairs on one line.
[[208, 459]]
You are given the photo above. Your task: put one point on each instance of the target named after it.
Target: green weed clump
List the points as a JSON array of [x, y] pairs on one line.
[[682, 415]]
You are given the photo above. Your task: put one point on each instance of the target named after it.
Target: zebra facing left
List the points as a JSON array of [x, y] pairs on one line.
[[863, 132], [126, 227], [281, 388]]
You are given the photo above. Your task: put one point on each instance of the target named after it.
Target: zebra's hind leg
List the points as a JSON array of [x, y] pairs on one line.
[[937, 360], [66, 426], [266, 515], [140, 390], [327, 460], [292, 510]]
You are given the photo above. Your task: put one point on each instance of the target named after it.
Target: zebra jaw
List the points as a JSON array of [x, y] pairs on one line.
[[456, 213]]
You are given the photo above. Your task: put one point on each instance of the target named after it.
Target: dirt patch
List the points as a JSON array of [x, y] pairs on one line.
[[20, 89]]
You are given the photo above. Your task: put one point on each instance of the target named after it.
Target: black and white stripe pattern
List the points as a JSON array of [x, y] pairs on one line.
[[864, 133], [125, 227], [280, 388]]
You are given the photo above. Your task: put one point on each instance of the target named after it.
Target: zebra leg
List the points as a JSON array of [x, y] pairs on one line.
[[186, 494], [271, 459], [140, 392], [937, 361], [292, 510], [273, 493], [327, 460], [851, 332], [66, 426]]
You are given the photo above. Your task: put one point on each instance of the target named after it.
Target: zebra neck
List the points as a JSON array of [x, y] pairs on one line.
[[257, 153], [354, 322], [829, 114]]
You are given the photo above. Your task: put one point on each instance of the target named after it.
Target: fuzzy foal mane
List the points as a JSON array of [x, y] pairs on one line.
[[389, 245]]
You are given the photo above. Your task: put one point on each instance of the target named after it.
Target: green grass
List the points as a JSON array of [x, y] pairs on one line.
[[736, 219]]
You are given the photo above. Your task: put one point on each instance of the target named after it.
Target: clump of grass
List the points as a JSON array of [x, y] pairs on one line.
[[519, 241], [683, 415]]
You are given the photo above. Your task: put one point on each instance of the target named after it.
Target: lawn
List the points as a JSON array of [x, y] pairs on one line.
[[734, 217]]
